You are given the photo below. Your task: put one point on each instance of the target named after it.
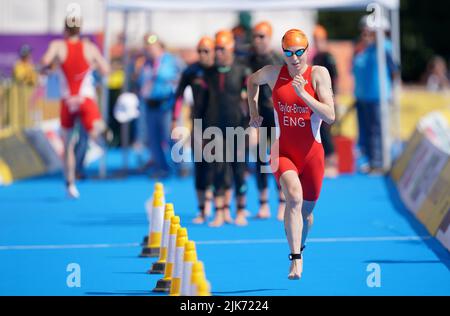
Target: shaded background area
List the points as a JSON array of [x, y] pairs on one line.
[[423, 33]]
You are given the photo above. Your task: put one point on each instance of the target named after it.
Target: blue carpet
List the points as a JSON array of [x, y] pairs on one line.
[[101, 232]]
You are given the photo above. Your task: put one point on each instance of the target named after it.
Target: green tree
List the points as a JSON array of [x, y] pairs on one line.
[[424, 26]]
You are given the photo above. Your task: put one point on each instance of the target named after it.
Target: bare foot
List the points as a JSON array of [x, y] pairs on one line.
[[296, 269], [218, 220], [241, 220], [227, 216], [199, 220], [264, 211], [208, 207], [331, 172], [281, 208], [72, 191]]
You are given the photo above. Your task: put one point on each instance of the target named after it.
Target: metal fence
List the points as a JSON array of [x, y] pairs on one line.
[[23, 106]]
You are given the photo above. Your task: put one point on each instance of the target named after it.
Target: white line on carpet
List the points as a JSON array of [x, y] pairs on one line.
[[220, 242]]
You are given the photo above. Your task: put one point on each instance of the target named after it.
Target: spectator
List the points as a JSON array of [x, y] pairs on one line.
[[24, 72], [226, 81], [157, 82], [117, 50], [194, 77], [367, 95], [116, 81], [436, 76], [242, 34]]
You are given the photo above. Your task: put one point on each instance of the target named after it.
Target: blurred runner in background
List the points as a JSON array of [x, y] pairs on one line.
[[78, 58]]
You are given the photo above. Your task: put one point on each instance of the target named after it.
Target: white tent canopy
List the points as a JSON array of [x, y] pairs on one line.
[[241, 5], [260, 5]]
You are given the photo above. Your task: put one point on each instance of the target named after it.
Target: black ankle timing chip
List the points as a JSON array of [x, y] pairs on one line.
[[294, 256]]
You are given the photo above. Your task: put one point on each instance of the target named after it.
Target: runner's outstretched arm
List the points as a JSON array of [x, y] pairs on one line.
[[99, 59], [255, 80], [50, 55]]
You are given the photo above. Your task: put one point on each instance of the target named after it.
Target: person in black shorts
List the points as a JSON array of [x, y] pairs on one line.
[[226, 88], [194, 76]]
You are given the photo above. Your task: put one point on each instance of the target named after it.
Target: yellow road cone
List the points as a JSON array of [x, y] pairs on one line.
[[198, 275], [159, 266], [149, 206], [154, 242], [175, 287], [175, 236], [190, 257], [204, 288]]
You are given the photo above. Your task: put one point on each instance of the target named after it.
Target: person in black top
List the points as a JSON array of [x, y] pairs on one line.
[[260, 56], [194, 76], [325, 59], [226, 88]]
